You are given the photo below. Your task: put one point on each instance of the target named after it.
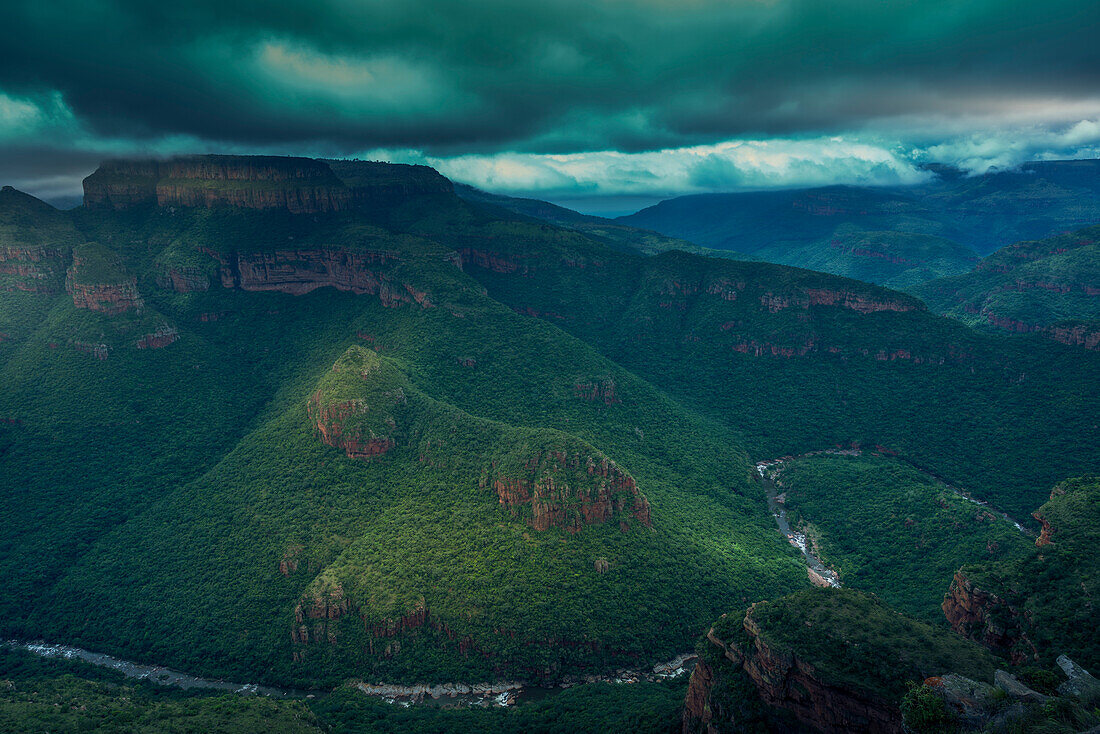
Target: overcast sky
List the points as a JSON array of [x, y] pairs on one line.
[[555, 98]]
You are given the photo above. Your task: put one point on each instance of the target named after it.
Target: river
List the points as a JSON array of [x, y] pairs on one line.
[[501, 693], [820, 574]]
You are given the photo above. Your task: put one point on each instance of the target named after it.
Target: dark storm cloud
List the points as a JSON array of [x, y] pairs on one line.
[[537, 76]]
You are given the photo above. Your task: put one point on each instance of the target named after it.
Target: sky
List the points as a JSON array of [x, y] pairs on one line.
[[568, 100]]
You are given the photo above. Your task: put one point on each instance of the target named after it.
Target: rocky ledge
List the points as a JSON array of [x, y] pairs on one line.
[[332, 423], [572, 491], [97, 282]]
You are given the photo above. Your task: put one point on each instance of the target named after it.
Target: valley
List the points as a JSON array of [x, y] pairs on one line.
[[358, 438]]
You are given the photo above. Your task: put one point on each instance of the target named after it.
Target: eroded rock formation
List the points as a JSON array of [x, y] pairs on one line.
[[32, 269], [571, 491], [298, 185], [331, 421], [785, 682]]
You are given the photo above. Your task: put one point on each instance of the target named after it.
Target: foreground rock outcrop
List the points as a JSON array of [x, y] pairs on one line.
[[827, 660], [1013, 606]]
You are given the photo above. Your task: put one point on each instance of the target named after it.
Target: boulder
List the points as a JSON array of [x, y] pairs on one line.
[[1011, 685], [1079, 683]]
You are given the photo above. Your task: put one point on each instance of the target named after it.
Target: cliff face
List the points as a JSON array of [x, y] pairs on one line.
[[825, 660], [1086, 334], [785, 682], [183, 279], [980, 615], [32, 269], [96, 282], [301, 271], [861, 303], [374, 183], [299, 185], [331, 421], [571, 491]]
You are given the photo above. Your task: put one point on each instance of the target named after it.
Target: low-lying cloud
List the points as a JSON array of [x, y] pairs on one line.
[[578, 96]]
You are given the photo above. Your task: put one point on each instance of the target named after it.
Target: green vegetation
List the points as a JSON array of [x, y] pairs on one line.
[[178, 504], [202, 472], [890, 529], [62, 696], [1047, 594], [894, 259], [1026, 286], [857, 642], [741, 343]]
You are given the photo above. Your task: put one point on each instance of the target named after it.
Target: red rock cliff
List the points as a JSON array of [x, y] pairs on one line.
[[987, 618], [572, 491], [111, 298], [784, 681], [330, 421], [301, 271], [33, 269]]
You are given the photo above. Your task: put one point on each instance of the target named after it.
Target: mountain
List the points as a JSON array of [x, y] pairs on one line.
[[311, 447], [1049, 286], [307, 422], [614, 233], [898, 236]]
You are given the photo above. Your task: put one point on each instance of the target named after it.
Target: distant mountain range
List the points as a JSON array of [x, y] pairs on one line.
[[957, 219]]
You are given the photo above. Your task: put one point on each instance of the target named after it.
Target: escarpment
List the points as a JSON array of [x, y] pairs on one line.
[[570, 491], [1020, 606], [32, 269], [981, 615], [300, 271], [298, 185], [97, 281], [830, 660], [784, 680], [374, 183], [1084, 333], [35, 241], [859, 302], [183, 279]]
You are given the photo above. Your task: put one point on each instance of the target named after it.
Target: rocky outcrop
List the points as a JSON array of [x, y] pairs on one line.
[[32, 269], [108, 298], [602, 391], [858, 302], [374, 183], [1083, 335], [571, 491], [183, 279], [299, 185], [784, 681], [99, 351], [162, 337], [698, 708], [300, 271], [492, 261], [330, 420], [987, 618]]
